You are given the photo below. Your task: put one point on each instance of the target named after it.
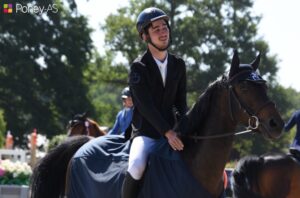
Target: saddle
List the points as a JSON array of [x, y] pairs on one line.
[[98, 168]]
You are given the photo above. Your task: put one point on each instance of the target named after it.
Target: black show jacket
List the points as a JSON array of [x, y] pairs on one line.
[[154, 103]]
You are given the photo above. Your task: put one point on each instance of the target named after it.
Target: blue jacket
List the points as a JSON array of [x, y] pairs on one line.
[[294, 120], [122, 122]]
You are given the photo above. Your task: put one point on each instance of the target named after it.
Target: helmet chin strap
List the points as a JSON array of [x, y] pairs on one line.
[[159, 49]]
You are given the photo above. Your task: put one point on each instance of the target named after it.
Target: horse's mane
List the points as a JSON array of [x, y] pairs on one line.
[[248, 169], [244, 176], [96, 127], [198, 114], [93, 122]]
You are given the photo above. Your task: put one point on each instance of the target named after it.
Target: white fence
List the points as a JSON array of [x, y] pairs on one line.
[[13, 154], [11, 191]]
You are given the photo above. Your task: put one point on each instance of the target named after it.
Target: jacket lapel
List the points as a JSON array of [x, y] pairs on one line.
[[153, 66], [170, 71]]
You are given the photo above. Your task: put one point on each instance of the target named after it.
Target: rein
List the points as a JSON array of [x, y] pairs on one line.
[[253, 121], [219, 136]]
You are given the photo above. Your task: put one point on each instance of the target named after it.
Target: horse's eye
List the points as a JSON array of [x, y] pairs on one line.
[[243, 86], [265, 86]]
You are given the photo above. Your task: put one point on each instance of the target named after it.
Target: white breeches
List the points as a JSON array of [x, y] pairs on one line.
[[138, 156]]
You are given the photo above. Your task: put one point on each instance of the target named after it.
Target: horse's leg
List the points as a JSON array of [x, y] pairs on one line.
[[295, 182]]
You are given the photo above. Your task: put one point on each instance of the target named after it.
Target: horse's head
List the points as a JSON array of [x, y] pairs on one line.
[[82, 125], [249, 100]]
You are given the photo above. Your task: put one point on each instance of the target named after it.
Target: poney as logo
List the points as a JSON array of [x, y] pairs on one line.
[[7, 8]]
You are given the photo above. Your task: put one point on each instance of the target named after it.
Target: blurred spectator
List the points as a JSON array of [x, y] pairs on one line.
[[124, 116], [9, 141], [294, 120]]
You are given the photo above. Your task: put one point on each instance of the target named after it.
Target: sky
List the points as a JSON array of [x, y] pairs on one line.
[[279, 27]]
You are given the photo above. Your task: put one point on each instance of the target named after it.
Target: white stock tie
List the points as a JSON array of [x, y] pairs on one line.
[[162, 68]]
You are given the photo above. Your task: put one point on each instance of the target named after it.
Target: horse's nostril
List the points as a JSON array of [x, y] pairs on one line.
[[272, 123]]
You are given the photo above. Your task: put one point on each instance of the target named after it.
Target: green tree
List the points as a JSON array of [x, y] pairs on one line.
[[2, 128], [105, 83], [42, 58]]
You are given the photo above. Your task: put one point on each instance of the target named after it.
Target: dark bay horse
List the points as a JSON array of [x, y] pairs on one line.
[[82, 125], [81, 129], [239, 98], [271, 175]]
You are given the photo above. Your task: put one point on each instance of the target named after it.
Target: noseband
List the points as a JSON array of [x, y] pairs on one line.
[[253, 121]]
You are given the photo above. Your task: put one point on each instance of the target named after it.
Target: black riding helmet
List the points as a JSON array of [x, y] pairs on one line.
[[147, 16], [125, 93]]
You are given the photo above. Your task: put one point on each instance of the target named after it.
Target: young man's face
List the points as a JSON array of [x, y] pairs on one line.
[[159, 33], [127, 102]]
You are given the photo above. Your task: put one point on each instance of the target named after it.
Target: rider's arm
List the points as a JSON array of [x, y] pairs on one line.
[[116, 128], [291, 123]]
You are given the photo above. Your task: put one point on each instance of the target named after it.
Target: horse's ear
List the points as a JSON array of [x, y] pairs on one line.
[[255, 63], [235, 64], [73, 115], [84, 115]]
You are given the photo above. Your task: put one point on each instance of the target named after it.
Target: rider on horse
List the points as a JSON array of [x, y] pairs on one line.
[[157, 82]]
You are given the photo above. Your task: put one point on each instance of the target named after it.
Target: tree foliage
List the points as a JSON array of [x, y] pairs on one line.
[[42, 58], [2, 128], [105, 84]]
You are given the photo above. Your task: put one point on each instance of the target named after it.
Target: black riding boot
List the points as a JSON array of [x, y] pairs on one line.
[[131, 187]]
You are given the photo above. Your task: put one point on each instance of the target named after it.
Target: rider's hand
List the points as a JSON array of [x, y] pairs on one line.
[[174, 141]]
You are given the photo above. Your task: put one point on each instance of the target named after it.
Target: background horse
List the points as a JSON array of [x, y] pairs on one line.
[[82, 125], [267, 176], [239, 98], [50, 171]]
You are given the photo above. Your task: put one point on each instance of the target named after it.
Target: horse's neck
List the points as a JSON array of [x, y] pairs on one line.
[[207, 158]]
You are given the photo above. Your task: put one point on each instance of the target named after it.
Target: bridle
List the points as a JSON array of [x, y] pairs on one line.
[[253, 120], [74, 123]]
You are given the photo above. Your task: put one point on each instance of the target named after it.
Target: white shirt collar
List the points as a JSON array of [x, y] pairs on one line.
[[162, 66], [160, 63]]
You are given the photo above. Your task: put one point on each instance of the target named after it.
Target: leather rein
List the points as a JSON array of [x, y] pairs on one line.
[[253, 121]]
